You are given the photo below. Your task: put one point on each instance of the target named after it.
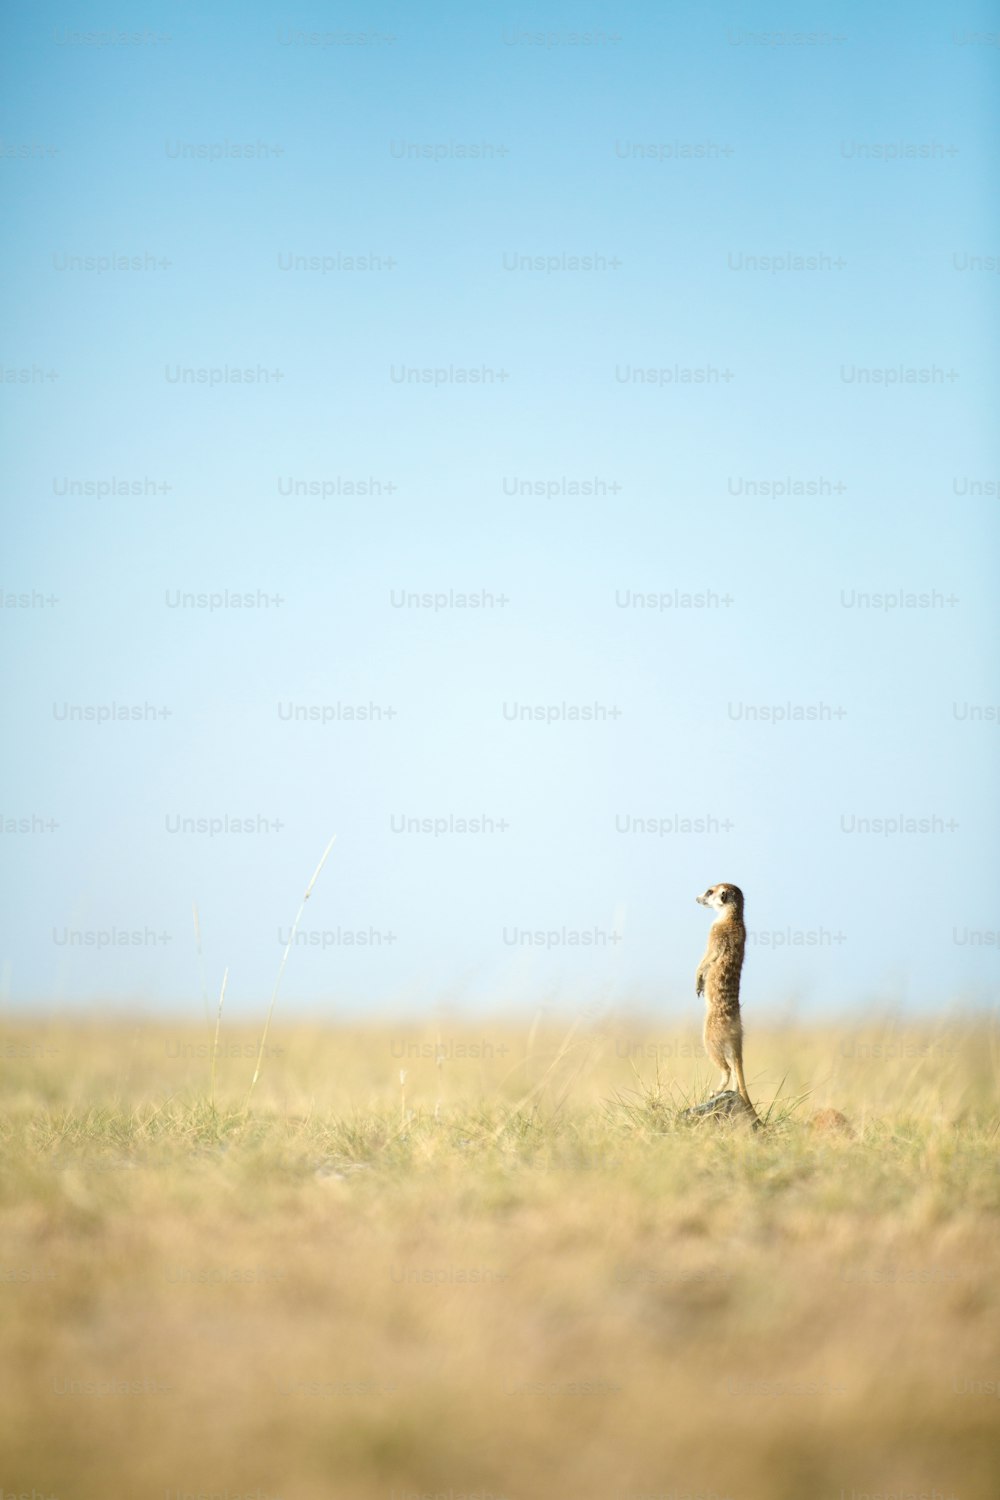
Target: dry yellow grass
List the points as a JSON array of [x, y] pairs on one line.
[[516, 1274]]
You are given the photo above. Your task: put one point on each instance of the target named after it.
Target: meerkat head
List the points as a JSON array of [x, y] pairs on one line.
[[724, 898]]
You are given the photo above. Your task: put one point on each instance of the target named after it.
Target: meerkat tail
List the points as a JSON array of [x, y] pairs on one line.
[[738, 1065]]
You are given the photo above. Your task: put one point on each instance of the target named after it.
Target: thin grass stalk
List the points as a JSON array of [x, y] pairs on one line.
[[537, 1088], [281, 970], [218, 1023]]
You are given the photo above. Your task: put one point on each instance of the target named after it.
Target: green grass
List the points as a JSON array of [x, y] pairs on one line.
[[522, 1273]]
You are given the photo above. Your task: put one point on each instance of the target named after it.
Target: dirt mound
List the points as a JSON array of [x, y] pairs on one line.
[[831, 1122]]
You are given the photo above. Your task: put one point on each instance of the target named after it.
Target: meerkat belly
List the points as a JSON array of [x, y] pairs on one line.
[[723, 1001]]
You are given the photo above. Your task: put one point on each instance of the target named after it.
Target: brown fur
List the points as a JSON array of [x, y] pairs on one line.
[[831, 1120], [718, 979]]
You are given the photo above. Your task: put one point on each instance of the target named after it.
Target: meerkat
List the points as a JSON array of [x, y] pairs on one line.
[[718, 979]]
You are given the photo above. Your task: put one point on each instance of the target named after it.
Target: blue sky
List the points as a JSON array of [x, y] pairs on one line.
[[768, 243]]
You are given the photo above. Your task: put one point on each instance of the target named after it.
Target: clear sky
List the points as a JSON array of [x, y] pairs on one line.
[[567, 308]]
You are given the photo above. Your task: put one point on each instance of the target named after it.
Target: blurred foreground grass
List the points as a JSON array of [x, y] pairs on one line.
[[515, 1273]]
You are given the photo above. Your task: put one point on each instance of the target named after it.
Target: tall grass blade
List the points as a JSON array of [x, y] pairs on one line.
[[281, 970]]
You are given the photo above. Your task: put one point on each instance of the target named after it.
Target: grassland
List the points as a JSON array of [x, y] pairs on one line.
[[518, 1272]]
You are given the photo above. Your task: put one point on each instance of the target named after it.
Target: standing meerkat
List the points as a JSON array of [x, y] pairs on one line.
[[718, 979]]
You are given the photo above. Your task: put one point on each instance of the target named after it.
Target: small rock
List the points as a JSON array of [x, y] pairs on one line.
[[729, 1104]]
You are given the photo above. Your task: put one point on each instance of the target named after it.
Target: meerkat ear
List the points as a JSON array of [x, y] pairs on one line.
[[723, 896]]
